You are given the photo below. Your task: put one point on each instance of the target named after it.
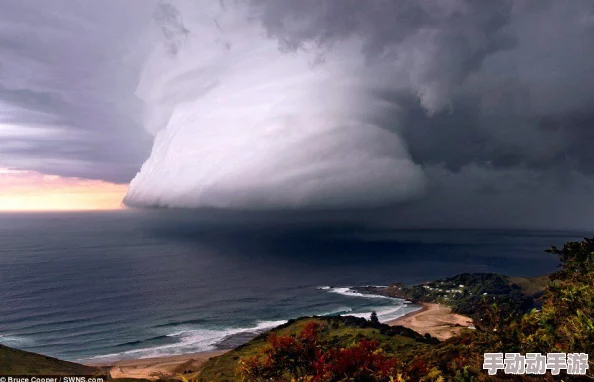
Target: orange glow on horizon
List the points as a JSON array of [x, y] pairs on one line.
[[33, 191]]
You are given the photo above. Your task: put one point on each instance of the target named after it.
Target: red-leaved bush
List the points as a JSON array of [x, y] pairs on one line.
[[305, 358]]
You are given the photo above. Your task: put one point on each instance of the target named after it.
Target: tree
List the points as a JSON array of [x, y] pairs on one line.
[[373, 318], [566, 320]]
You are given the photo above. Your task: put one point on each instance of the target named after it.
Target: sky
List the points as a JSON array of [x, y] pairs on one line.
[[452, 113], [33, 191]]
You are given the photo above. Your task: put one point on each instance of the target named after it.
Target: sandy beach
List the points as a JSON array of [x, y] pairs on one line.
[[154, 368], [435, 319]]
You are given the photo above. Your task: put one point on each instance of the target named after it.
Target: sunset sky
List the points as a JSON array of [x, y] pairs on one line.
[[33, 191]]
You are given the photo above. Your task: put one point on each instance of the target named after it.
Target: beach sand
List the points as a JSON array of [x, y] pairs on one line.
[[435, 319], [154, 368]]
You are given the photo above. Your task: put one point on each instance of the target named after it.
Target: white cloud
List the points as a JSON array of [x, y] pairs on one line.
[[240, 124]]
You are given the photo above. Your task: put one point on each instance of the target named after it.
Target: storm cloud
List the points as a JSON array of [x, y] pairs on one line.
[[490, 82], [67, 76], [445, 113]]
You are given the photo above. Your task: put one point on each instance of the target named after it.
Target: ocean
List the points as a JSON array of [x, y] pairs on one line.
[[130, 284]]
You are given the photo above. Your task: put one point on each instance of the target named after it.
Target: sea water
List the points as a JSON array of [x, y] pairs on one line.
[[133, 284]]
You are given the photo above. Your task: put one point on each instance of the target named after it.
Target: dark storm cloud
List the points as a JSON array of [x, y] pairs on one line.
[[516, 79], [169, 20], [518, 75], [458, 34], [67, 77], [502, 141], [383, 23]]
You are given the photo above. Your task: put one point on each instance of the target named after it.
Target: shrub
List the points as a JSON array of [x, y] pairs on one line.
[[305, 358]]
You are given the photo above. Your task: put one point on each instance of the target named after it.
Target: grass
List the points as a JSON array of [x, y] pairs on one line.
[[19, 362], [531, 285]]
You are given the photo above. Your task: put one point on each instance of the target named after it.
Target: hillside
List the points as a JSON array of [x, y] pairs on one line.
[[19, 362], [336, 331], [464, 291], [531, 285]]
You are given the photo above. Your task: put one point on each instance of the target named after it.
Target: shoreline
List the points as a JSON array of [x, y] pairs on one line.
[[158, 367], [434, 319], [423, 307]]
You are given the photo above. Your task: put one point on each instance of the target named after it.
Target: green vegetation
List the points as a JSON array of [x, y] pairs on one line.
[[306, 357], [565, 322], [19, 362], [531, 286], [408, 355], [335, 332], [464, 292]]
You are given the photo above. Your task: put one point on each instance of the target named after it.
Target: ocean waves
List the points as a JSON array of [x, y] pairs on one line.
[[186, 341], [348, 291], [389, 308], [197, 335]]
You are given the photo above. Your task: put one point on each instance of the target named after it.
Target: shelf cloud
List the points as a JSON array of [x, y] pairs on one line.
[[240, 123], [445, 113], [340, 104]]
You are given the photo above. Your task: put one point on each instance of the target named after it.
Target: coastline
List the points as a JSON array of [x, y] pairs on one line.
[[434, 319], [158, 367], [423, 307]]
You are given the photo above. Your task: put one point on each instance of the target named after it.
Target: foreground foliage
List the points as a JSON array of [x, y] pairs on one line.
[[330, 333], [565, 323], [305, 358]]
